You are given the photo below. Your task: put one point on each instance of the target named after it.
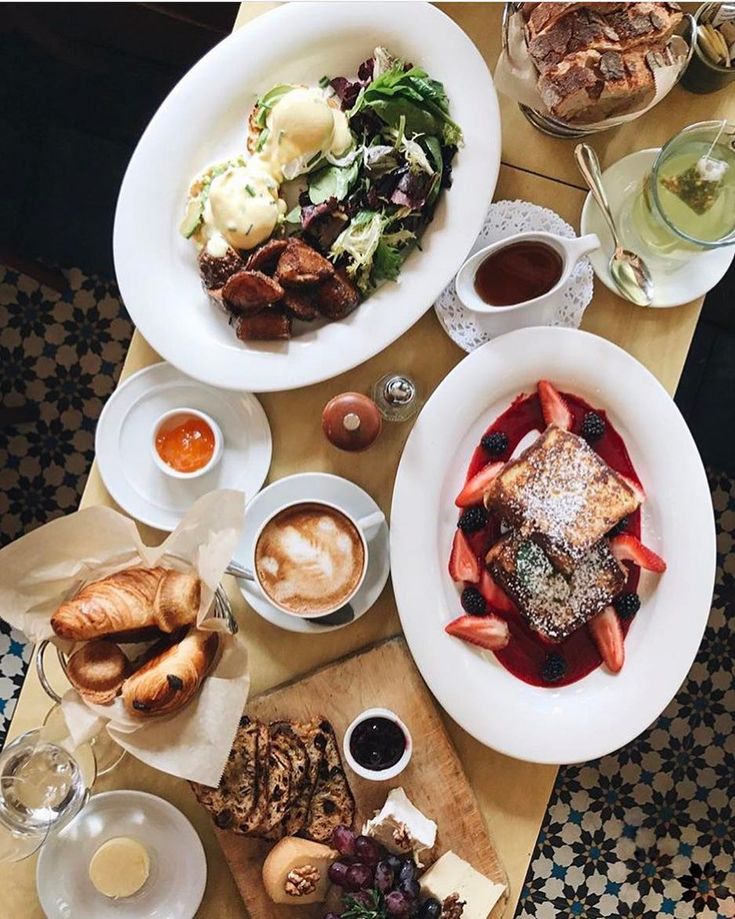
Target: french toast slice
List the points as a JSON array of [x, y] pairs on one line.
[[562, 495], [552, 604]]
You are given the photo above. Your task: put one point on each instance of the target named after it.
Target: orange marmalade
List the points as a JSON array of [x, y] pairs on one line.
[[186, 447]]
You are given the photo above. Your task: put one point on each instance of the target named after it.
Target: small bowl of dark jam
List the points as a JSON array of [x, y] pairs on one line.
[[377, 745], [515, 282]]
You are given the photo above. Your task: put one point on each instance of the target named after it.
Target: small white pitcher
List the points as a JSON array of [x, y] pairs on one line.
[[495, 320]]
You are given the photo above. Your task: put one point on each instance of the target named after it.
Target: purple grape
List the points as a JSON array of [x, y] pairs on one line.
[[397, 903], [384, 877], [359, 876], [395, 862], [410, 886], [337, 873], [367, 850], [343, 840], [408, 870]]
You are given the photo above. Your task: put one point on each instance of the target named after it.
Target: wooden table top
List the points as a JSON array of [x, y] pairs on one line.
[[512, 795]]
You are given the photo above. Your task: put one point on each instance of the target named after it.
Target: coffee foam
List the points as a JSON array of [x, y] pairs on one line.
[[309, 558]]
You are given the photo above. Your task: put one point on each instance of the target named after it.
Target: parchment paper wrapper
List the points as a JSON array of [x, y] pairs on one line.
[[516, 76], [51, 563]]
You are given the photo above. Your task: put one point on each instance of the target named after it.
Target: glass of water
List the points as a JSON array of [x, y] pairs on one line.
[[43, 785]]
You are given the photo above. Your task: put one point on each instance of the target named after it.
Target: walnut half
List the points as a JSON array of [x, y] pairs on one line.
[[452, 907], [402, 838], [302, 880]]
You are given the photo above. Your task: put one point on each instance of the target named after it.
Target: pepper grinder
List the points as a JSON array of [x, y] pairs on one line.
[[397, 397], [351, 421]]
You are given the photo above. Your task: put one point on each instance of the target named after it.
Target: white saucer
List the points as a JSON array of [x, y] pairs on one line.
[[315, 486], [178, 875], [676, 281], [125, 458]]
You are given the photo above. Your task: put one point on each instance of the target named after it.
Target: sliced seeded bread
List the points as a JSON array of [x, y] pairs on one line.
[[332, 803], [313, 741], [278, 790], [237, 803], [287, 741]]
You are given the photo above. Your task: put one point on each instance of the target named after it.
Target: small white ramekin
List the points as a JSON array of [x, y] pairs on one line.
[[180, 415], [377, 775]]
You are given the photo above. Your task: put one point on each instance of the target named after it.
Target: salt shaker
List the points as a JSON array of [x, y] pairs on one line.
[[351, 421], [397, 397]]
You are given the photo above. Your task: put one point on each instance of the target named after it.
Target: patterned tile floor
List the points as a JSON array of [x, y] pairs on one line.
[[62, 353], [647, 831]]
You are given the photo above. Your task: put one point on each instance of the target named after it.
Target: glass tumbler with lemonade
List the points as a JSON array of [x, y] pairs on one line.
[[687, 201]]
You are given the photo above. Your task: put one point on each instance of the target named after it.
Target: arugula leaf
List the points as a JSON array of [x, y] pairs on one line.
[[333, 182]]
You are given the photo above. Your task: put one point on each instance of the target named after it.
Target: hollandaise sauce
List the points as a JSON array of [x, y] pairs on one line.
[[187, 446], [242, 206]]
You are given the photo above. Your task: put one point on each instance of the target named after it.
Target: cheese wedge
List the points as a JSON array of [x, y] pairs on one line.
[[450, 874], [295, 871]]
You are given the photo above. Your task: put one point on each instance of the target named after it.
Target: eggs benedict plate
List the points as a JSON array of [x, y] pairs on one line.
[[307, 197]]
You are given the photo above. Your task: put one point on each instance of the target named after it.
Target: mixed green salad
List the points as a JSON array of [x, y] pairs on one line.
[[367, 209]]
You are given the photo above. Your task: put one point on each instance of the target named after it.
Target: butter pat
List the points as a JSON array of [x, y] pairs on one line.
[[450, 874], [401, 827], [120, 867]]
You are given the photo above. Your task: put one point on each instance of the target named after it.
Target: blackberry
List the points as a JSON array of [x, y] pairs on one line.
[[473, 519], [620, 527], [553, 668], [627, 605], [495, 444], [593, 427], [473, 602]]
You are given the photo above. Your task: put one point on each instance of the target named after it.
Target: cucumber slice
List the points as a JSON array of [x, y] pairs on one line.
[[192, 216]]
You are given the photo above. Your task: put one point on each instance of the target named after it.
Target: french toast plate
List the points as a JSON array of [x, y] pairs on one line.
[[204, 119], [603, 711]]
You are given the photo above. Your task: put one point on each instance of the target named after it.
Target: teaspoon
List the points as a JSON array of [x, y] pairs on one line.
[[628, 270]]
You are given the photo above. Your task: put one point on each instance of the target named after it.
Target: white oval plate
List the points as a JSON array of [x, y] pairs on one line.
[[315, 486], [123, 444], [676, 282], [178, 875], [204, 120], [603, 711]]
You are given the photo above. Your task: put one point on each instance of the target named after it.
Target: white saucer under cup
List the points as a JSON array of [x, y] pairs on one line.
[[332, 489], [178, 865], [125, 458], [676, 281]]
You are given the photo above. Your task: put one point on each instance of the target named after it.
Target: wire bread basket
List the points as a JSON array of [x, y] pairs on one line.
[[556, 127]]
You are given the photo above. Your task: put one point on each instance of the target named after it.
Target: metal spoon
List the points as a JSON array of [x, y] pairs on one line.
[[628, 270]]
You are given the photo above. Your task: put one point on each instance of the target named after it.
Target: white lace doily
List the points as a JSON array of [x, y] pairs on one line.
[[504, 219]]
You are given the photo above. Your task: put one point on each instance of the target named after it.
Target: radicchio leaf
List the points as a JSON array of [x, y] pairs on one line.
[[366, 69], [346, 91], [412, 190], [311, 212]]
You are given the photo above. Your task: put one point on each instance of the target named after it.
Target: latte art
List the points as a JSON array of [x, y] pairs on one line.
[[309, 559]]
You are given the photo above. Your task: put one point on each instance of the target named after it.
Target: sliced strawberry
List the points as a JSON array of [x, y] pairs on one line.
[[474, 490], [627, 548], [463, 563], [635, 487], [495, 597], [553, 406], [608, 637], [489, 632]]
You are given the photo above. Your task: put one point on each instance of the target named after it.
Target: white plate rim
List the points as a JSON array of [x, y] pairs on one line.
[[103, 455], [458, 674], [338, 346], [177, 815], [711, 265], [368, 594]]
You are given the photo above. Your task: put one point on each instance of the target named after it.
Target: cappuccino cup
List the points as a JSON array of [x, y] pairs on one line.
[[310, 557]]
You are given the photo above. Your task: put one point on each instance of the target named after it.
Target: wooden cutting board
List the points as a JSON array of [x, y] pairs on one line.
[[384, 676]]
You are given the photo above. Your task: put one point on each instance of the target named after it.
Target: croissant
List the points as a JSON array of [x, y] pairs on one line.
[[170, 679], [130, 605]]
